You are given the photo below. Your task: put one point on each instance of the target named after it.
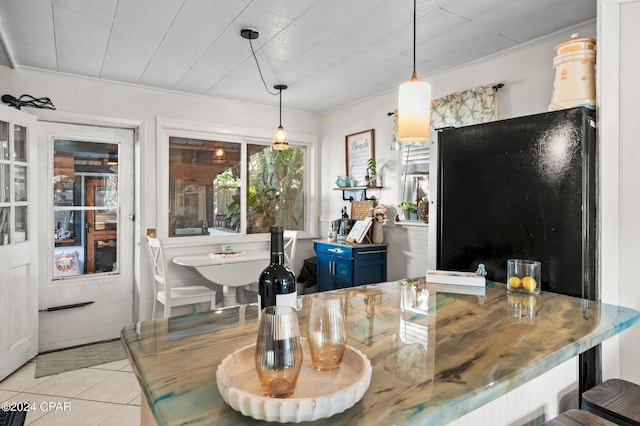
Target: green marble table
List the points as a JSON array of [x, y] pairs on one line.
[[436, 354]]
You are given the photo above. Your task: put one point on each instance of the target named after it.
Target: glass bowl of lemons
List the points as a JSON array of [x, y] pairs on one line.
[[523, 276]]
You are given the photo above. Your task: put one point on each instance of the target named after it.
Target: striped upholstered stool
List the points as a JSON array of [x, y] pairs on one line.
[[616, 400]]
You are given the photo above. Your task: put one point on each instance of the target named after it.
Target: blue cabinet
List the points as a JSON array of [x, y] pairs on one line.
[[343, 265]]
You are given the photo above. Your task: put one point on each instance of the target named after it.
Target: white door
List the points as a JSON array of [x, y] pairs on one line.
[[18, 230], [86, 290]]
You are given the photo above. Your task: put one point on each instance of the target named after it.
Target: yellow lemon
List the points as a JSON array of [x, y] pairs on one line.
[[529, 283], [514, 282]]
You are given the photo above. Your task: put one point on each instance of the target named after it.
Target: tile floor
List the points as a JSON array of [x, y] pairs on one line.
[[106, 394]]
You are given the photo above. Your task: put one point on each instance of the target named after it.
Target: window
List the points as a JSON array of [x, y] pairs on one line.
[[13, 198], [204, 187], [221, 185], [85, 208], [276, 188], [415, 172]]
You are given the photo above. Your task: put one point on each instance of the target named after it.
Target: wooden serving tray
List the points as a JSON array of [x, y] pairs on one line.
[[318, 394]]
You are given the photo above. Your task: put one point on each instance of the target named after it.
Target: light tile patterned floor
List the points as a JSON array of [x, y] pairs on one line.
[[106, 394]]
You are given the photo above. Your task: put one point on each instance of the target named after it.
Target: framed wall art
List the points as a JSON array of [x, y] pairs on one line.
[[359, 148]]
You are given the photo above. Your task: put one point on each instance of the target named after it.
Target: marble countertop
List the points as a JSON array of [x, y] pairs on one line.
[[436, 353]]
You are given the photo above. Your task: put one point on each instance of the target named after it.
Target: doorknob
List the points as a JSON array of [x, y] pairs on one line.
[[132, 216]]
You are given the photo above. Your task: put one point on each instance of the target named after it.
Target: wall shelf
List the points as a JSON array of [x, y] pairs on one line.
[[357, 188]]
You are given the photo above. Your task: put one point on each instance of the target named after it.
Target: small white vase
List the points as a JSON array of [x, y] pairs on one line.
[[378, 233]]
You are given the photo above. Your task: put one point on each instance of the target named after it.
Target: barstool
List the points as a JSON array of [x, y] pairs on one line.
[[578, 418], [615, 400]]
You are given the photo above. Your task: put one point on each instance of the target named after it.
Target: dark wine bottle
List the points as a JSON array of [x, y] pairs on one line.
[[277, 283]]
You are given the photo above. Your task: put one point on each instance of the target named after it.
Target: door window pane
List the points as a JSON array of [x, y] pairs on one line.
[[4, 226], [204, 187], [102, 248], [21, 224], [4, 183], [275, 194], [20, 183], [69, 252], [13, 184], [20, 143], [86, 208], [4, 140]]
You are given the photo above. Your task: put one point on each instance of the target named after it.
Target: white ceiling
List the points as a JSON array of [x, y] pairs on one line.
[[329, 52]]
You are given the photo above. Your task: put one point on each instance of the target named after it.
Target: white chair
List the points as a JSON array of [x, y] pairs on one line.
[[166, 292], [290, 241]]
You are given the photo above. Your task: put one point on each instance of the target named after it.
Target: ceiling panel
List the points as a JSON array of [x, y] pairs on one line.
[[138, 29], [27, 29], [82, 27], [318, 23], [473, 9], [196, 27], [4, 57], [330, 52]]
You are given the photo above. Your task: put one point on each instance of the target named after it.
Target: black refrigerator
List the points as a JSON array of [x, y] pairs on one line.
[[523, 188]]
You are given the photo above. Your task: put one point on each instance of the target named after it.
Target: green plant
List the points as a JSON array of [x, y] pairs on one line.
[[405, 205], [233, 210], [276, 182], [371, 167], [370, 177], [263, 200]]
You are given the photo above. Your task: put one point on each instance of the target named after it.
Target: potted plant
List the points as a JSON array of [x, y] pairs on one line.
[[371, 172], [407, 208]]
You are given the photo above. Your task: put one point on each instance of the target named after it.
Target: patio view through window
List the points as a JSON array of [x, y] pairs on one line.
[[207, 193]]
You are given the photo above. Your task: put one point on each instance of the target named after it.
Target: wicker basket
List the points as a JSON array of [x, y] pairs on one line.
[[361, 209]]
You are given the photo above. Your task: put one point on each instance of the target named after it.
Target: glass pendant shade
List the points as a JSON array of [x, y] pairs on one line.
[[414, 110], [280, 139]]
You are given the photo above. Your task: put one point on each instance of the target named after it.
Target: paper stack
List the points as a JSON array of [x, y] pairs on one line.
[[455, 278]]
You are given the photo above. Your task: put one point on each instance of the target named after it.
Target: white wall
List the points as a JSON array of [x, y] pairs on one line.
[[619, 205], [629, 195], [527, 73]]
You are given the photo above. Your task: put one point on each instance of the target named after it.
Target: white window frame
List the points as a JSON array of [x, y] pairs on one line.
[[168, 127]]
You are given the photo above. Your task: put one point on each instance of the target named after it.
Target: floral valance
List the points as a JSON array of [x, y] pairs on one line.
[[473, 106]]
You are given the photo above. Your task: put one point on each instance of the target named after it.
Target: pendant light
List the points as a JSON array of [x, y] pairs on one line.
[[280, 139], [414, 103], [219, 156]]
